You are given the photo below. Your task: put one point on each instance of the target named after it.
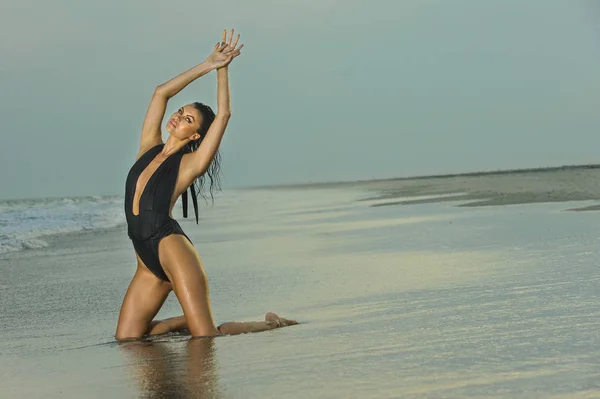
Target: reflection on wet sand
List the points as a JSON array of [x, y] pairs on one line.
[[168, 369]]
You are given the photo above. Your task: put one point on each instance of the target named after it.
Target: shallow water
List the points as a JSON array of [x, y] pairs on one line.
[[427, 300]]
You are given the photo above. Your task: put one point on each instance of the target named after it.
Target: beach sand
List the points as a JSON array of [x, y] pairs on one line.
[[560, 184], [404, 288]]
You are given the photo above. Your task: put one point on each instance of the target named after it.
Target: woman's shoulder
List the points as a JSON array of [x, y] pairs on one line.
[[145, 149]]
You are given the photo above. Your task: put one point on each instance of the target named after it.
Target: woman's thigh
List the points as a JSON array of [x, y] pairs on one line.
[[183, 266], [144, 298]]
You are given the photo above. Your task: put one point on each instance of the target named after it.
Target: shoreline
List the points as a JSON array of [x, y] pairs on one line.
[[541, 170], [561, 184], [55, 241], [343, 183], [566, 184]]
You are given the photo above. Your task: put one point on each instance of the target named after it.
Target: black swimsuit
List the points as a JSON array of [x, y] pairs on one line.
[[153, 223]]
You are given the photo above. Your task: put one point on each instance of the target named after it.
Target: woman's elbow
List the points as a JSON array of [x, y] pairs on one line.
[[161, 91]]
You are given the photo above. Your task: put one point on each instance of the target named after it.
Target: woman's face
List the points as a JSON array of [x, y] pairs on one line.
[[185, 122]]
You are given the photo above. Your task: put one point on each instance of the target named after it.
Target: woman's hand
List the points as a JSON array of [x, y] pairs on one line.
[[224, 52]]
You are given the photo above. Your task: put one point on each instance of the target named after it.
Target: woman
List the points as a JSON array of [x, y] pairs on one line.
[[162, 172]]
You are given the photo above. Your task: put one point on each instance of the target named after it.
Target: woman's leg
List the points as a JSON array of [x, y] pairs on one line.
[[183, 266], [144, 298], [230, 328], [271, 321]]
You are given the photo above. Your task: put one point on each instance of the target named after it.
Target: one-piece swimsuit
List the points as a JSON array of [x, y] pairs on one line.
[[153, 222]]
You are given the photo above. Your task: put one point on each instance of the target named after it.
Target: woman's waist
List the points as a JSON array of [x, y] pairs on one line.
[[148, 225]]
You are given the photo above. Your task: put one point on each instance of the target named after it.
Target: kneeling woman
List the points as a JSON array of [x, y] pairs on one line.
[[167, 260]]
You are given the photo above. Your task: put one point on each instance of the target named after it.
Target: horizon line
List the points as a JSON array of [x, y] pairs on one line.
[[347, 182], [429, 176]]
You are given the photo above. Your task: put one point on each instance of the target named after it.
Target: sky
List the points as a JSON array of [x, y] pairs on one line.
[[325, 90]]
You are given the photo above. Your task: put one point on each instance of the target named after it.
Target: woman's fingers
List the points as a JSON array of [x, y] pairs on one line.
[[230, 39], [235, 54], [237, 51], [227, 47], [232, 49], [237, 39]]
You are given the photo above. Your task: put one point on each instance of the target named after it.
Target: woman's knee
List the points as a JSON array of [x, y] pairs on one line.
[[143, 299], [124, 334]]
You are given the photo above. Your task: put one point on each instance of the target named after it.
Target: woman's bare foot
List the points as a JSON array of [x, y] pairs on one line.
[[272, 318]]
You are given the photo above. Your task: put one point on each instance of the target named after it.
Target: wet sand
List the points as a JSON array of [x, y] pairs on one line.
[[562, 184], [430, 299]]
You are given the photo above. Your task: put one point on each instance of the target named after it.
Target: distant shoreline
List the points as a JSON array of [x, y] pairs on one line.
[[339, 183], [423, 177]]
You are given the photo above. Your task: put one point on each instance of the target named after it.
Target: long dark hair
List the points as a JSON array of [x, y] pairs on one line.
[[212, 173]]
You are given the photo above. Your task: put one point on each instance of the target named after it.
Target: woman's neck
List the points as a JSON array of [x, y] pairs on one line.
[[172, 146]]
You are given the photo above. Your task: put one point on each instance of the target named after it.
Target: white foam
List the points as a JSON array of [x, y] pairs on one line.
[[23, 222], [13, 245]]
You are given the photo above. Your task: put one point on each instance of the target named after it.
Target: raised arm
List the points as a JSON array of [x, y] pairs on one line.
[[199, 161], [151, 128], [202, 157]]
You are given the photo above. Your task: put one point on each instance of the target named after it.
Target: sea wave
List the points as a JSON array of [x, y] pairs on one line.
[[24, 223]]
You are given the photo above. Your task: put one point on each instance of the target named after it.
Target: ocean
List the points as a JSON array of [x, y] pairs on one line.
[[25, 223], [481, 286]]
